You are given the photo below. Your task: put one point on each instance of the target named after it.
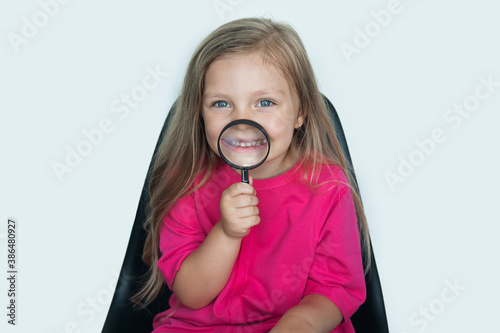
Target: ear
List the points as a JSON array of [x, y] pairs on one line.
[[300, 120]]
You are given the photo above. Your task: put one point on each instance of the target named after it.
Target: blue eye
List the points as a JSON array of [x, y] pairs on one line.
[[221, 104], [265, 103]]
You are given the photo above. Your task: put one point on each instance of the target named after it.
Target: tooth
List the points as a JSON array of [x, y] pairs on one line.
[[264, 141]]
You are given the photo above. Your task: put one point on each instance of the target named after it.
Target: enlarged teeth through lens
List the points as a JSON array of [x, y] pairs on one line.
[[248, 144]]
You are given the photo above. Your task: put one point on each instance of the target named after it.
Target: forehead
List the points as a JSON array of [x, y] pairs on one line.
[[248, 71]]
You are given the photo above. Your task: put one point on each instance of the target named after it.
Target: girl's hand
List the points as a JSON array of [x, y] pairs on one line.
[[314, 313], [239, 212]]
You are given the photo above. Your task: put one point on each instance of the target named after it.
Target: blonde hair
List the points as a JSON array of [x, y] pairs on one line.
[[184, 152]]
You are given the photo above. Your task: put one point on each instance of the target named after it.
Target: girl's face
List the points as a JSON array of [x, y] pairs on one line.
[[244, 87]]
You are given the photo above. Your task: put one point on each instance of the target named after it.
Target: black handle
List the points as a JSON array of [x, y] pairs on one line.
[[244, 176]]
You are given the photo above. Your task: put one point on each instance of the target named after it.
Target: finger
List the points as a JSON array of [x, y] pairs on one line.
[[240, 188], [248, 211], [245, 200], [250, 221], [250, 182]]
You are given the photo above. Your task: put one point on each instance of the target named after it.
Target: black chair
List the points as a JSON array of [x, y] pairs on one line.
[[123, 318]]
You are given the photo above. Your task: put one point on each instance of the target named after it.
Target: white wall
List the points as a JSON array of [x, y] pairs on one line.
[[434, 228]]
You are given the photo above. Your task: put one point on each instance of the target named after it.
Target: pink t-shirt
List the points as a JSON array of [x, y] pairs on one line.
[[306, 243]]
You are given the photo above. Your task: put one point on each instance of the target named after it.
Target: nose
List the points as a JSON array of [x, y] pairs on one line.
[[243, 132], [242, 127], [251, 122], [242, 112]]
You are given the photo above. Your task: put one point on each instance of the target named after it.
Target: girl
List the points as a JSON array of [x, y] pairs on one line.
[[281, 254]]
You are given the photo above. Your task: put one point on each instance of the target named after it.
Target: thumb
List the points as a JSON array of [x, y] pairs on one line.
[[250, 181]]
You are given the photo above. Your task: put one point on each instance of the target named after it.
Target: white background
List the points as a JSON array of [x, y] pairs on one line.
[[440, 224]]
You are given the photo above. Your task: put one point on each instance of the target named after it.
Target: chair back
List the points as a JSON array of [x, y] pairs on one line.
[[124, 318]]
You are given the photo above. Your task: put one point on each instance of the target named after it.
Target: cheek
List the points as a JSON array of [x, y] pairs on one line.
[[212, 131], [211, 134], [280, 129]]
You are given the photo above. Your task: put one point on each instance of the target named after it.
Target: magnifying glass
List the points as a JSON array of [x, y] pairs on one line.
[[244, 145]]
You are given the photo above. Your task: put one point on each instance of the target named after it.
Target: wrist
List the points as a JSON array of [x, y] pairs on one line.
[[225, 235], [230, 236]]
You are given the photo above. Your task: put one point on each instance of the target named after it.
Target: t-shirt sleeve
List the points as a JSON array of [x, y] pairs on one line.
[[337, 268], [180, 235]]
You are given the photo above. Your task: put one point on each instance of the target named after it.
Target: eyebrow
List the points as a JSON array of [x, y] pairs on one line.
[[270, 91], [214, 94]]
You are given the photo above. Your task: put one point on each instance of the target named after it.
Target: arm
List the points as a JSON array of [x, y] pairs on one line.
[[205, 272], [314, 314]]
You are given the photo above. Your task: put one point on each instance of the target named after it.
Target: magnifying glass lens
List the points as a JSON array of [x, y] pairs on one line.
[[244, 144]]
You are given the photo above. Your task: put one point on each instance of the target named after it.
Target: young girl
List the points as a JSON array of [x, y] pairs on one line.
[[282, 253]]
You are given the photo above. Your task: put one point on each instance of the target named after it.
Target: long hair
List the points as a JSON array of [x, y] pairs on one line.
[[184, 152]]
